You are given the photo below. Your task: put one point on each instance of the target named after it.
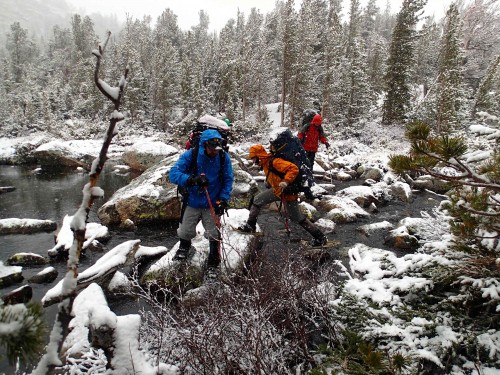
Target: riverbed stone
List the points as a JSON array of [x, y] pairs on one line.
[[26, 226], [27, 260], [10, 275], [362, 195], [22, 294], [145, 154], [6, 189], [341, 209], [57, 155], [431, 183], [372, 173], [47, 275], [400, 238], [401, 191]]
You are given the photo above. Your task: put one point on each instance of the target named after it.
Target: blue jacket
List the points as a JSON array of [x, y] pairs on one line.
[[217, 189]]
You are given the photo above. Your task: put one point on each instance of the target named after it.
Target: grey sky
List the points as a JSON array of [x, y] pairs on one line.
[[219, 11]]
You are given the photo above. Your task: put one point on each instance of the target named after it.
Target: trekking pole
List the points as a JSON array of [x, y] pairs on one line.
[[215, 218]]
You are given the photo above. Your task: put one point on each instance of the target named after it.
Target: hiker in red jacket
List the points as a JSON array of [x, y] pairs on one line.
[[310, 135]]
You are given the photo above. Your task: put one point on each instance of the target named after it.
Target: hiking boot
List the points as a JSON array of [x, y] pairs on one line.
[[181, 254], [251, 224], [247, 228], [318, 241], [213, 260], [183, 251]]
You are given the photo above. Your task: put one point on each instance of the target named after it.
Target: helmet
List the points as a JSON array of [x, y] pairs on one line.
[[228, 122]]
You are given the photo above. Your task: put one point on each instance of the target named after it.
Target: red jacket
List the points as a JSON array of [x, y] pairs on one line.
[[310, 135]]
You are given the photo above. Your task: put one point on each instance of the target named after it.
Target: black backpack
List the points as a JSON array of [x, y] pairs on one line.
[[202, 125], [307, 116], [288, 147]]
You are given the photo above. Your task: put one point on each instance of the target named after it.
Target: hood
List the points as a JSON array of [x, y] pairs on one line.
[[259, 151], [208, 134], [317, 120]]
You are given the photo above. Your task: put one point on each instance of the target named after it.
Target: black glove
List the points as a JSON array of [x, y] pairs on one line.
[[220, 207], [327, 145], [190, 180], [200, 181]]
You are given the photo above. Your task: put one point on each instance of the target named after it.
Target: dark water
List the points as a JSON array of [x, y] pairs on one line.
[[51, 196]]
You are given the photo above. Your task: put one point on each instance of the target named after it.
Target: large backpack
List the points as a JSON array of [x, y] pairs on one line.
[[208, 122], [288, 147], [307, 116]]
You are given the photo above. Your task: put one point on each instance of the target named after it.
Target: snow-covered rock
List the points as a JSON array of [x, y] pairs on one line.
[[26, 226], [146, 153]]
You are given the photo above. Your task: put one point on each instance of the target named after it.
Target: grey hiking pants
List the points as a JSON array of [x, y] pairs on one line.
[[291, 207], [191, 218]]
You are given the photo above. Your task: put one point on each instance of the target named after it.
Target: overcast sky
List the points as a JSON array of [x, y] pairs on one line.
[[219, 11]]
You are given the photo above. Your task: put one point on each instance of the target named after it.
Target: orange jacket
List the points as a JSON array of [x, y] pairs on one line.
[[289, 170]]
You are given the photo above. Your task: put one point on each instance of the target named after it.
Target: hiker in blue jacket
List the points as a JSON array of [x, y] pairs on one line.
[[212, 173]]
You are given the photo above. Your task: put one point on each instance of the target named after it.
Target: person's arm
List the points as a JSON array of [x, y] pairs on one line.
[[227, 180], [179, 172], [290, 170], [322, 137]]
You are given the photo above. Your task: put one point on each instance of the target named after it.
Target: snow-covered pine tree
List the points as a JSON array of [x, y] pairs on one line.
[[22, 50], [488, 94], [426, 72], [450, 92], [359, 95], [401, 62], [481, 27], [332, 62], [288, 52], [87, 101]]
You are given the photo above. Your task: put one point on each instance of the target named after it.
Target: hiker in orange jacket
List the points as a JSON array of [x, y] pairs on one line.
[[290, 171], [310, 135]]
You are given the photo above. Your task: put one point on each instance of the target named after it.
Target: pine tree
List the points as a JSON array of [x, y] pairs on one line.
[[488, 94], [401, 62], [450, 94], [22, 50], [332, 62], [481, 27], [288, 53]]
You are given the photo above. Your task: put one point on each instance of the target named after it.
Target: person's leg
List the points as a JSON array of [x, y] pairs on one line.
[[296, 216], [311, 155], [259, 201], [214, 257], [187, 231]]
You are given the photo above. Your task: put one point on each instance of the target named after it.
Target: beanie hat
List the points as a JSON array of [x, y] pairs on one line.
[[317, 120]]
